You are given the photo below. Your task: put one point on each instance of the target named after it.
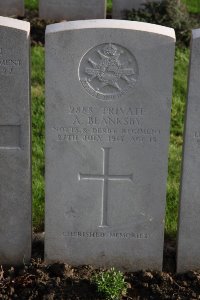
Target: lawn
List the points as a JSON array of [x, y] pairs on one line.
[[179, 98], [176, 138], [37, 91], [178, 107], [32, 4], [192, 5]]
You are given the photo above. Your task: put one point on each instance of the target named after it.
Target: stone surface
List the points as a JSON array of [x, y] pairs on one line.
[[188, 252], [72, 9], [108, 102], [15, 163], [119, 7], [11, 8]]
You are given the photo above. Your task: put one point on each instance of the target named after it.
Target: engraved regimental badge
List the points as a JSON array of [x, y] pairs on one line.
[[108, 71]]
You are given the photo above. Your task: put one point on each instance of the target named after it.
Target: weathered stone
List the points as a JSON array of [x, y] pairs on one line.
[[15, 163], [108, 103], [72, 9], [11, 8], [188, 252], [120, 7]]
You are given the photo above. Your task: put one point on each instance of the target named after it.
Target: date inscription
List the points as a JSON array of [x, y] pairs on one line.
[[106, 125]]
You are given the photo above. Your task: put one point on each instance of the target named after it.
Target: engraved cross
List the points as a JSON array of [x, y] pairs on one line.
[[105, 177]]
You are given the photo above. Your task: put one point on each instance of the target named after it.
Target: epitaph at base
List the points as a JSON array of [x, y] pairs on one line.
[[107, 133]]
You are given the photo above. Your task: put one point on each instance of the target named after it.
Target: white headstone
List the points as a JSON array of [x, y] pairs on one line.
[[108, 103], [15, 161], [11, 8], [188, 252], [120, 7], [72, 9]]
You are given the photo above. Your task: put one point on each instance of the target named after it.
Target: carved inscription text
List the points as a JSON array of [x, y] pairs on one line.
[[109, 124], [8, 65]]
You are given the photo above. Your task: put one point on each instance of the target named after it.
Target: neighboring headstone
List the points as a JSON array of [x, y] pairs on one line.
[[188, 252], [15, 162], [72, 9], [108, 103], [120, 7], [11, 8]]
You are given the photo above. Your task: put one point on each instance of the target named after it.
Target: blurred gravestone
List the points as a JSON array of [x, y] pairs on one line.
[[11, 8], [108, 104], [188, 254], [15, 161], [120, 7], [72, 9]]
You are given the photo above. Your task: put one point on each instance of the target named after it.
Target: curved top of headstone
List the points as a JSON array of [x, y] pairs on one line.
[[14, 23], [122, 24], [196, 33]]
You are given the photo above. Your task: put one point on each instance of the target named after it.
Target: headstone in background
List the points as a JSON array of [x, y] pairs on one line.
[[11, 8], [120, 7], [188, 254], [108, 103], [72, 9], [15, 161]]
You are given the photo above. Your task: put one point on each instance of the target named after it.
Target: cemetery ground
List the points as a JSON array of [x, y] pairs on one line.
[[61, 281]]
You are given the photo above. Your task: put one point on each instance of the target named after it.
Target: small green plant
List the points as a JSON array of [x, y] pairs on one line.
[[111, 284]]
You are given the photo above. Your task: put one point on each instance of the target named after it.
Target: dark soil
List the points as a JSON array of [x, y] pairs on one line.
[[64, 282], [38, 26]]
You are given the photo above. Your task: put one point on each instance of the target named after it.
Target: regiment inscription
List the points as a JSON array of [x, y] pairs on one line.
[[107, 134], [110, 124]]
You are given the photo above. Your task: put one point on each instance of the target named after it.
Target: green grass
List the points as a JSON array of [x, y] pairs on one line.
[[37, 91], [178, 107], [109, 6], [179, 98], [176, 138], [193, 6], [32, 4]]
